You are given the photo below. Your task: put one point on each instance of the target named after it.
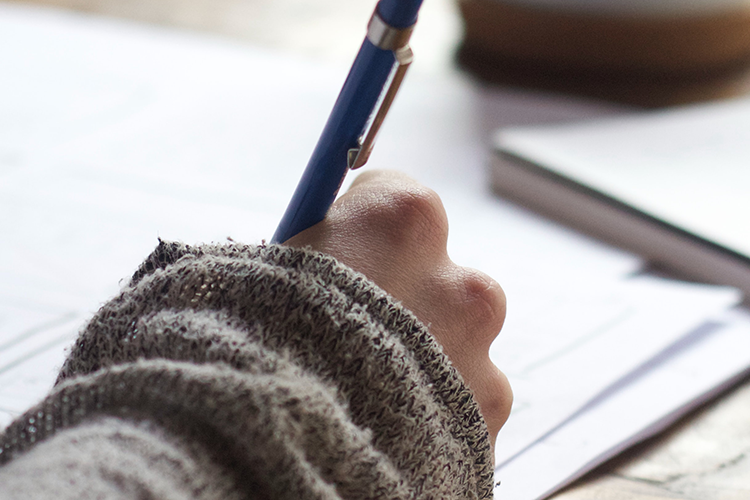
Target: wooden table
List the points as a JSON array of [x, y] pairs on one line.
[[706, 456]]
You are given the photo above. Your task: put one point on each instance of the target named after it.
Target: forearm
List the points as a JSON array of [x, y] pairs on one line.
[[275, 360]]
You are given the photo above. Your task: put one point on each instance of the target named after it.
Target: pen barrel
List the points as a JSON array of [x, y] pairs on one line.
[[328, 164]]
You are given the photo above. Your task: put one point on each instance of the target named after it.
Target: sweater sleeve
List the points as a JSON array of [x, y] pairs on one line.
[[233, 371]]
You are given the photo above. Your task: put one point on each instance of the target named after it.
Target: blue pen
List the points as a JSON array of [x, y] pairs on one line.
[[364, 100]]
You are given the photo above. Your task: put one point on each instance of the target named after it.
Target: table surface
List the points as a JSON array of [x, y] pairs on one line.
[[704, 456]]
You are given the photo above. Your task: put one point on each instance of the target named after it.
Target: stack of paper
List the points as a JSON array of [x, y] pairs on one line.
[[112, 135]]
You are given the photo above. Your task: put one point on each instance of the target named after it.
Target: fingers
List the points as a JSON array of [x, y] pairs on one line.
[[395, 231], [466, 314], [388, 227], [494, 396], [397, 207], [483, 306], [382, 176]]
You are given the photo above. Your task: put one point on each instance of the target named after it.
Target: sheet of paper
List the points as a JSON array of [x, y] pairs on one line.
[[688, 374], [570, 345], [32, 341]]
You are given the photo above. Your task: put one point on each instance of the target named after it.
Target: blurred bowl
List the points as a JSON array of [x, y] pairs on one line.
[[648, 52]]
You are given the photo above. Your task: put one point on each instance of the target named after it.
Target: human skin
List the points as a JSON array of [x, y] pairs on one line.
[[395, 231]]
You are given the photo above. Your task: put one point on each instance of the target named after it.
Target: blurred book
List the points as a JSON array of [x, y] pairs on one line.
[[672, 186]]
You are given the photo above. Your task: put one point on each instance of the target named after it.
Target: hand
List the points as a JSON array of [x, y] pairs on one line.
[[395, 231]]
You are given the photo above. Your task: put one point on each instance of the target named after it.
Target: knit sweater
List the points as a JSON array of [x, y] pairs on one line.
[[233, 371]]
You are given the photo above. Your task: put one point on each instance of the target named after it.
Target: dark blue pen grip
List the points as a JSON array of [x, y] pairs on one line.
[[327, 167]]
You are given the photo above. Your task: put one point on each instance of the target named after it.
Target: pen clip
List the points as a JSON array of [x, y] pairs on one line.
[[385, 37]]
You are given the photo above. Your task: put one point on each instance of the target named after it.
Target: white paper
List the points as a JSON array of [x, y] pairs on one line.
[[706, 362], [32, 341], [576, 343]]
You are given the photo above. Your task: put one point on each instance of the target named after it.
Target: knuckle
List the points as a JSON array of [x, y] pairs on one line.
[[414, 214], [484, 305], [497, 400]]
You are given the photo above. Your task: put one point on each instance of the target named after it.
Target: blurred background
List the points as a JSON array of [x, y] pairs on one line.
[[651, 53], [329, 30]]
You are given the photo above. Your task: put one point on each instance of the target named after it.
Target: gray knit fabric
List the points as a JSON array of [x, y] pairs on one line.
[[234, 371]]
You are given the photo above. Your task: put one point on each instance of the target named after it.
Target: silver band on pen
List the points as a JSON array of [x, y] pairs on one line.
[[385, 36]]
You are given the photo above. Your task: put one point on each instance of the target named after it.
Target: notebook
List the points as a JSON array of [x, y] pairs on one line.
[[673, 186]]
